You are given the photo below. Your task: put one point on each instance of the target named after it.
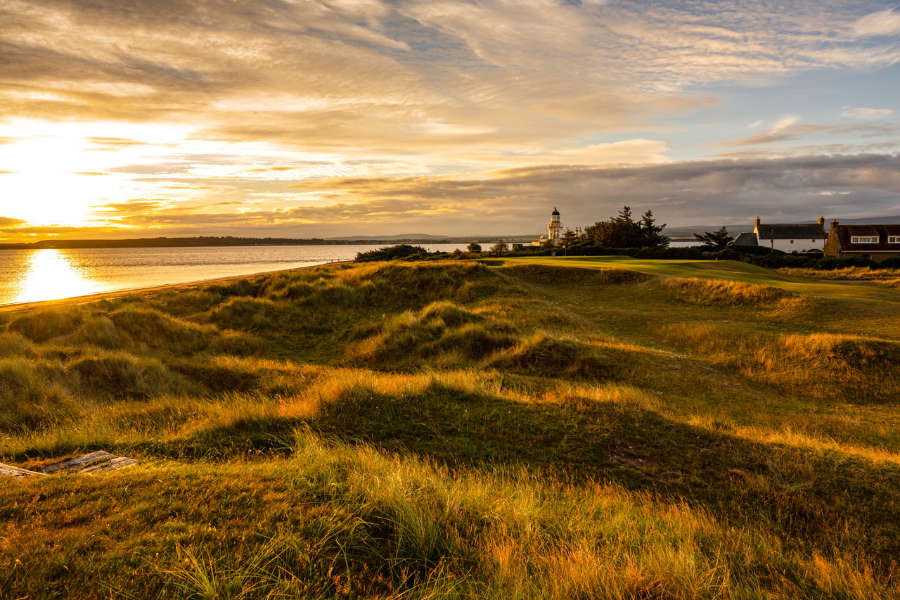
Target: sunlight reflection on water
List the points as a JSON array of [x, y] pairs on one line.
[[51, 275]]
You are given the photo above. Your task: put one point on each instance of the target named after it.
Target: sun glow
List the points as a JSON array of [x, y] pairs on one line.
[[51, 275], [56, 173]]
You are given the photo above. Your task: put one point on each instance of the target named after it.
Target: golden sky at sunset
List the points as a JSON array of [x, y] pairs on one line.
[[290, 118]]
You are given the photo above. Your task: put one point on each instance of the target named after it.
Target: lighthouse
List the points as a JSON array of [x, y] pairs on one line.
[[554, 229]]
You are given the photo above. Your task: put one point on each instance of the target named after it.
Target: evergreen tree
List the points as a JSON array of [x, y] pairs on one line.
[[623, 232], [473, 247], [718, 240], [651, 233]]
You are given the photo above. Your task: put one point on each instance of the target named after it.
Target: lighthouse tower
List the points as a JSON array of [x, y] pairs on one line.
[[554, 229]]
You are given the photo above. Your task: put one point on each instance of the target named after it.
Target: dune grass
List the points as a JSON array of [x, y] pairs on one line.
[[572, 428]]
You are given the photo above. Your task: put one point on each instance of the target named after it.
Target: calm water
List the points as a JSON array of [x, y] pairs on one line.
[[33, 275]]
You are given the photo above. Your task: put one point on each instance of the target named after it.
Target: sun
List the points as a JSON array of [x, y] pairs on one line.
[[56, 174]]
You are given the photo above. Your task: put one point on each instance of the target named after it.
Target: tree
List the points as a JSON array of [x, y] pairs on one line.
[[622, 231], [473, 247], [717, 240], [651, 233], [568, 239], [499, 248], [399, 251]]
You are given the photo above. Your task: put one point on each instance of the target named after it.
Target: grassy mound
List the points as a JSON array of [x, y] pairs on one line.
[[154, 329], [821, 365], [723, 293], [545, 356], [251, 314], [122, 376], [15, 344], [241, 287], [442, 329], [32, 396], [43, 325], [857, 369]]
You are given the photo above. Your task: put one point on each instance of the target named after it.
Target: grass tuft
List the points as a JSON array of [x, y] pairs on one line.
[[120, 375]]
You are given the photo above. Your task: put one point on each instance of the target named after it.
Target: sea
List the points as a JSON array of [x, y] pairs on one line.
[[51, 274]]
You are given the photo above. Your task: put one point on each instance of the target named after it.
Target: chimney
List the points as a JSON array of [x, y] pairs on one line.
[[756, 226], [821, 221]]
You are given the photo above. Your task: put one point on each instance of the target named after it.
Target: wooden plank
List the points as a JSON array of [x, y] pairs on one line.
[[95, 462], [78, 463], [109, 465], [11, 471]]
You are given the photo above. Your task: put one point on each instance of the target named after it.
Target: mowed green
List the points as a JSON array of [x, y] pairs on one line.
[[597, 427]]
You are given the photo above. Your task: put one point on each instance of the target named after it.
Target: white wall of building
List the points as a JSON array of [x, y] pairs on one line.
[[799, 245]]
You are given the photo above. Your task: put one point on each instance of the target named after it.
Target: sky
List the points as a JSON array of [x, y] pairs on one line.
[[128, 118]]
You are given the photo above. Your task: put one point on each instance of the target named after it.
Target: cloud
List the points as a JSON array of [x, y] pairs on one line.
[[783, 130], [883, 22], [10, 222], [863, 113], [784, 123], [516, 200], [268, 99], [754, 124], [401, 76]]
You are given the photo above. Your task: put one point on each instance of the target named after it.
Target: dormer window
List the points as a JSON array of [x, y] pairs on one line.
[[864, 239]]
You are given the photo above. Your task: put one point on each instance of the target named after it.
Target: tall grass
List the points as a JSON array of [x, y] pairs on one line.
[[848, 273], [451, 430]]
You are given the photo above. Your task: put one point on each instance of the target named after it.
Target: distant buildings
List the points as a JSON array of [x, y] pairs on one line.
[[875, 242], [789, 237]]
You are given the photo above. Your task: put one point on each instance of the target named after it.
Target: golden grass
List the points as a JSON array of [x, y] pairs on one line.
[[445, 429], [848, 273], [727, 293]]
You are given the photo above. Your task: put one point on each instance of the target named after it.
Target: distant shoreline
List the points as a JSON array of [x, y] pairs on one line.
[[205, 241]]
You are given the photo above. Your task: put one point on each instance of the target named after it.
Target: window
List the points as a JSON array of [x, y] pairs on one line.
[[864, 239], [894, 239]]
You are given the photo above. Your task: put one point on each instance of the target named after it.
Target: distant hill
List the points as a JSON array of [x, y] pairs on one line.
[[403, 236], [179, 242]]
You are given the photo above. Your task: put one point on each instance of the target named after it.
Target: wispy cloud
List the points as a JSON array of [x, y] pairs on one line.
[[866, 114], [882, 22]]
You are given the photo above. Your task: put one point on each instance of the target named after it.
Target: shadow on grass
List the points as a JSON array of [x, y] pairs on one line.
[[828, 501]]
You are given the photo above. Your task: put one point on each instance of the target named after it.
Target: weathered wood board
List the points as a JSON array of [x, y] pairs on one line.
[[88, 463], [12, 471]]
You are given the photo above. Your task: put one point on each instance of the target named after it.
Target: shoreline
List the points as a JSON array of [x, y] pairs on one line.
[[86, 298]]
